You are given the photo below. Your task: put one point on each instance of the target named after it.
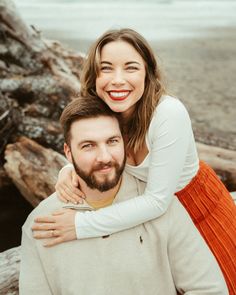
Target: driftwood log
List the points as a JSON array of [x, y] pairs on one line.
[[33, 168], [9, 271], [223, 161]]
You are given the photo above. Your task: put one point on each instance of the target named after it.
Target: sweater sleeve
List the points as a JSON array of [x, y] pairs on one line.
[[169, 134]]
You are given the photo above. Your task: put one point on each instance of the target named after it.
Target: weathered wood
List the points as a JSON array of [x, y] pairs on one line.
[[9, 271], [4, 178], [24, 49], [212, 137], [38, 78], [223, 161], [33, 168], [8, 120]]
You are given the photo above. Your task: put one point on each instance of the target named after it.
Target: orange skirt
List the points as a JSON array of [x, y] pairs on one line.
[[213, 211]]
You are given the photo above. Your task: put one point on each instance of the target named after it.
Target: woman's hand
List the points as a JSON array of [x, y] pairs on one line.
[[67, 186], [58, 227]]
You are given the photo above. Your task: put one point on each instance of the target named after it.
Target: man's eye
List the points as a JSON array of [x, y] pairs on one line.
[[87, 146], [113, 141]]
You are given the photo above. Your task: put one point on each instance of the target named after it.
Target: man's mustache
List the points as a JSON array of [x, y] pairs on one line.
[[101, 166]]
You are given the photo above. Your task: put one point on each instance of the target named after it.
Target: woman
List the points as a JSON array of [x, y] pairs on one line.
[[121, 69]]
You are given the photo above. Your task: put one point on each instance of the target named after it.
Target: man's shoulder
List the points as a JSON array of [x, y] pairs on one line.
[[177, 222], [176, 206], [174, 217], [45, 207], [48, 205], [177, 212]]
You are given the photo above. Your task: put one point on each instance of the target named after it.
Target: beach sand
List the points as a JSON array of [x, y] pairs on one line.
[[201, 72]]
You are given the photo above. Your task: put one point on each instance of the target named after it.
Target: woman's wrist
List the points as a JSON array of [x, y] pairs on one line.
[[67, 166]]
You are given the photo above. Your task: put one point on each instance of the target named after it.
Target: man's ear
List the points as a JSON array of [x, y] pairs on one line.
[[67, 152]]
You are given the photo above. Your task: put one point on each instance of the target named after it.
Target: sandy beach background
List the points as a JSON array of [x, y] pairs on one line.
[[195, 42]]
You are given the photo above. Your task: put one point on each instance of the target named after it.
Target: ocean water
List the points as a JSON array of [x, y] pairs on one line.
[[156, 20]]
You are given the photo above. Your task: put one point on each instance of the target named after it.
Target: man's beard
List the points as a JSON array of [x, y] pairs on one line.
[[91, 179]]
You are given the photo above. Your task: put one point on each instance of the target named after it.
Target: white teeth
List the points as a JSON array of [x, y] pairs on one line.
[[119, 94]]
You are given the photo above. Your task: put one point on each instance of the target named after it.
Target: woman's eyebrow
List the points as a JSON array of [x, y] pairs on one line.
[[106, 62], [132, 62], [127, 63]]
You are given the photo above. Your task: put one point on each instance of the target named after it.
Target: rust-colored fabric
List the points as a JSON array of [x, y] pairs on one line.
[[213, 211]]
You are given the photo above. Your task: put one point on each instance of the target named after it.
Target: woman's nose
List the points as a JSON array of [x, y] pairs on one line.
[[118, 78]]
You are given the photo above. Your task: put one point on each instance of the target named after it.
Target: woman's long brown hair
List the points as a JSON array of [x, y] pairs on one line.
[[138, 125]]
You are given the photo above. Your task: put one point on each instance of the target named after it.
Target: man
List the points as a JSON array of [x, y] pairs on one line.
[[162, 256]]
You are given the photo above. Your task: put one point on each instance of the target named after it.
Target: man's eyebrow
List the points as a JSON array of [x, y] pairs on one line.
[[115, 136], [94, 141], [85, 141]]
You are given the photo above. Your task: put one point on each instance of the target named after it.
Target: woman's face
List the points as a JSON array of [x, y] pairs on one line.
[[121, 80]]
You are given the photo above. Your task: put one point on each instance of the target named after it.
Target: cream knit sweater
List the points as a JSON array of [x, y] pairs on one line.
[[154, 258]]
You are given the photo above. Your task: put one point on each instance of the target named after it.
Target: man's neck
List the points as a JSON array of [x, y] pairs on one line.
[[97, 199]]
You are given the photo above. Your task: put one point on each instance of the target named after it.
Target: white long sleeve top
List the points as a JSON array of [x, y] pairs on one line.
[[171, 163]]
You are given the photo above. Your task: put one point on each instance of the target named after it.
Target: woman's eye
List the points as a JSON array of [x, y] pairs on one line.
[[132, 68], [106, 69]]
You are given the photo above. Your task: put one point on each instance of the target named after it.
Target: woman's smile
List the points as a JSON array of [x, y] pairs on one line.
[[119, 95]]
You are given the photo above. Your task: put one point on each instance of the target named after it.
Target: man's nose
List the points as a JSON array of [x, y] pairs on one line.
[[104, 155]]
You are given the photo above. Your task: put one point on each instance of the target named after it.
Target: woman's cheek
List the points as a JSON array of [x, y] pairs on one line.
[[98, 87]]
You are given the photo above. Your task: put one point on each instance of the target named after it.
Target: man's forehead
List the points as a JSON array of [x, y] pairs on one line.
[[95, 129]]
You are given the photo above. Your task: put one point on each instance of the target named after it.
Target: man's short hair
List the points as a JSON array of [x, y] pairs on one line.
[[84, 108]]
